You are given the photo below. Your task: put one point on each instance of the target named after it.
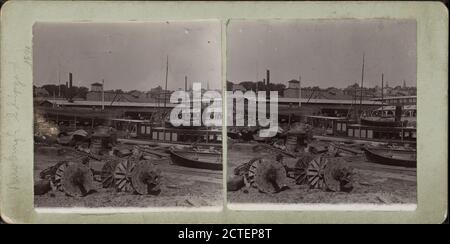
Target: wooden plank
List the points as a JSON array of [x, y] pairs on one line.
[[160, 154], [387, 175], [360, 141], [191, 171], [362, 164], [192, 178]]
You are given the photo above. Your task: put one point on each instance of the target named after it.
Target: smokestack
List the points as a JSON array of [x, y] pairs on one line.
[[103, 94], [70, 90], [268, 82], [66, 93], [185, 83]]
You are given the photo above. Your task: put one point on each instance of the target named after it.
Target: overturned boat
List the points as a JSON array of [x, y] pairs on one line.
[[195, 159], [395, 157]]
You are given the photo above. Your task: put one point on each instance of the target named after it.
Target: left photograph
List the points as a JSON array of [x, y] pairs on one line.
[[127, 114]]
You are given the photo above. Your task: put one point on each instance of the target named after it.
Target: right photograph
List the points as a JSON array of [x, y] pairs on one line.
[[321, 111]]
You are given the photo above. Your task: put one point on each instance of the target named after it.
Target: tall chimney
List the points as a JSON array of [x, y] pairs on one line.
[[103, 94], [66, 93], [268, 82], [70, 80], [185, 83]]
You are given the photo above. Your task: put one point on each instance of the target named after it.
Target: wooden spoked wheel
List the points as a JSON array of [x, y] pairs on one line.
[[315, 173], [242, 169], [300, 169], [122, 175], [107, 173], [270, 176], [77, 180], [146, 178], [57, 180], [250, 176]]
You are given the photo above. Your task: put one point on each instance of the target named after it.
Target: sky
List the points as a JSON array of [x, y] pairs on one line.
[[325, 53], [128, 55]]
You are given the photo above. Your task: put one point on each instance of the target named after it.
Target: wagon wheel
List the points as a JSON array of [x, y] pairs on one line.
[[315, 173], [331, 175], [122, 175], [146, 178], [49, 173], [77, 180], [300, 169], [57, 179], [243, 168], [107, 173], [270, 177], [250, 175]]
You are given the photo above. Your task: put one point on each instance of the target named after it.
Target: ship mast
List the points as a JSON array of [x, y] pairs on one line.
[[167, 73], [299, 91], [382, 94], [362, 86], [59, 80], [103, 94]]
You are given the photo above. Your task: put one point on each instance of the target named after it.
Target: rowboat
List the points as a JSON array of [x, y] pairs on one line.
[[194, 159], [395, 157]]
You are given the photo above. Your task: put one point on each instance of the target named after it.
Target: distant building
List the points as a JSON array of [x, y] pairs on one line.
[[316, 93], [398, 100], [295, 84], [291, 92], [108, 96], [96, 87]]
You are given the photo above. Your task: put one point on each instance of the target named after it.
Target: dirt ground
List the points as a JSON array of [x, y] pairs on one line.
[[373, 183], [187, 187], [180, 186]]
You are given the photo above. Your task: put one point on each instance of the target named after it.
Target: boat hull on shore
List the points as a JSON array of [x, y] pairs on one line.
[[403, 158], [200, 160]]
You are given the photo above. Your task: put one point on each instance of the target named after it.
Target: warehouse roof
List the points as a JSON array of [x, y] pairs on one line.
[[108, 103]]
